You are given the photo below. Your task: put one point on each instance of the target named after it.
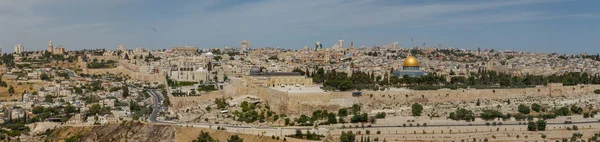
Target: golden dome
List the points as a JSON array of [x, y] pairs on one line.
[[411, 61]]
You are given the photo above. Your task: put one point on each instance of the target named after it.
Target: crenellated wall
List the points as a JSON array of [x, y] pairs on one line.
[[306, 103]]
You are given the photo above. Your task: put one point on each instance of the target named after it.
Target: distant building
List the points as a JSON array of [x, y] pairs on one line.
[[318, 46], [19, 49], [276, 79], [189, 74], [139, 51], [185, 49], [59, 50], [121, 48], [50, 47], [246, 45], [410, 68], [341, 44]]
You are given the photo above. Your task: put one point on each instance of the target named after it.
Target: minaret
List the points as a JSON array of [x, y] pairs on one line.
[[50, 47]]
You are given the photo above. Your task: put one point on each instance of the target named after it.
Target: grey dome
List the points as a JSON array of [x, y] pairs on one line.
[[254, 70]]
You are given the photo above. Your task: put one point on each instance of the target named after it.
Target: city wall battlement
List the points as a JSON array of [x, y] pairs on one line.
[[305, 103]]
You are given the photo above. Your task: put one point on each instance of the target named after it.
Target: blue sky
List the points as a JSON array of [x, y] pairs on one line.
[[564, 26]]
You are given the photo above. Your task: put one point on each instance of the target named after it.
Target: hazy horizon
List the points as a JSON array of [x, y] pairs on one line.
[[562, 26]]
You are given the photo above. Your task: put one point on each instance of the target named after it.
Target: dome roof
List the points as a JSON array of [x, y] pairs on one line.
[[254, 69], [411, 61]]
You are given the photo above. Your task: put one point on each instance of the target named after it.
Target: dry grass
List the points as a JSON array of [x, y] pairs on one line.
[[19, 89], [186, 134]]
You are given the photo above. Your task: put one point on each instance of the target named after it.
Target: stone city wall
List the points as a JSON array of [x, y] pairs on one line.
[[184, 102], [474, 94], [105, 58], [134, 75], [305, 103]]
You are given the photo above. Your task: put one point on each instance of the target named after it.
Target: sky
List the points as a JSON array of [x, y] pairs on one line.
[[562, 26]]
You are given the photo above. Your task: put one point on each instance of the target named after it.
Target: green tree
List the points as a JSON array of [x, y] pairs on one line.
[[536, 107], [417, 109], [563, 111], [462, 114], [524, 109], [576, 109], [38, 109], [78, 90], [489, 114], [221, 103], [11, 90], [125, 91], [355, 109], [44, 76], [70, 109], [347, 137], [531, 126], [343, 112], [331, 118], [204, 137], [541, 125], [235, 138], [298, 70]]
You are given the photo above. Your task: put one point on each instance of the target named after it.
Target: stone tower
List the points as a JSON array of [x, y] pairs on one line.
[[50, 47]]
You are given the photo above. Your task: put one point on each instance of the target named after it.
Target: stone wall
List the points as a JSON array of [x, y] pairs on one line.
[[305, 103], [125, 71], [105, 58]]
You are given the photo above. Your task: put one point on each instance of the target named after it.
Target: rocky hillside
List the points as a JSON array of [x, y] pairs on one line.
[[139, 132], [116, 132]]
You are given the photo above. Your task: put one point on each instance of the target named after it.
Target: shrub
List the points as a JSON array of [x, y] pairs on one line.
[[235, 138], [489, 114], [347, 137], [536, 107], [462, 114], [417, 109], [531, 126], [380, 115], [524, 109], [541, 125], [576, 109], [563, 111]]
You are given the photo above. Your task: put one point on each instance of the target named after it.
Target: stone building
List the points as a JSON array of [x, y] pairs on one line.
[[189, 74], [275, 79]]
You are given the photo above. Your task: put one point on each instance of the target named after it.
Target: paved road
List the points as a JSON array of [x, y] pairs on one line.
[[71, 73], [158, 98], [467, 125]]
